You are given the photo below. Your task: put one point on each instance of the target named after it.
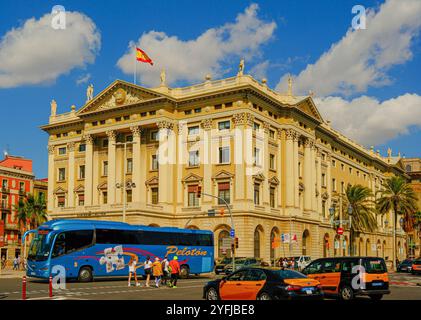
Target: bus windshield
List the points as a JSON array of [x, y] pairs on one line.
[[40, 248]]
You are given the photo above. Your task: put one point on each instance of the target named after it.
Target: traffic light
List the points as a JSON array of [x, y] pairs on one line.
[[236, 242], [199, 191], [222, 211]]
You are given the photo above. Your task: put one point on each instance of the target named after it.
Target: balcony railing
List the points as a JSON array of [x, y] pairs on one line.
[[11, 226], [5, 190]]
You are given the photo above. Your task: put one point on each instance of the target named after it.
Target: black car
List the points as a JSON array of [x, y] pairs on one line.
[[263, 284], [219, 267], [405, 265]]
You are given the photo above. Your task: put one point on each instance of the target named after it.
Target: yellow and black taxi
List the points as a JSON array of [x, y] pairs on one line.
[[348, 277], [416, 266], [258, 283]]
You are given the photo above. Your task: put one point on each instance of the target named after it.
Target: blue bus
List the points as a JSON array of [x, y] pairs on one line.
[[89, 248]]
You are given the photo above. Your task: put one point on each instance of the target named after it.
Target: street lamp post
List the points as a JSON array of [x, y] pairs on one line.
[[351, 244], [125, 185]]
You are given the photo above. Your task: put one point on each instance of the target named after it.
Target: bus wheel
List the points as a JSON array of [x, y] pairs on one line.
[[85, 274], [184, 271]]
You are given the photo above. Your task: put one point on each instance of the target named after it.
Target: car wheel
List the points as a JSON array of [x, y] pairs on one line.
[[264, 296], [85, 274], [346, 293], [376, 297], [212, 294], [184, 271]]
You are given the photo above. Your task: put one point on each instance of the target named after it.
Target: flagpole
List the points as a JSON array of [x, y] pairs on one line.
[[135, 66]]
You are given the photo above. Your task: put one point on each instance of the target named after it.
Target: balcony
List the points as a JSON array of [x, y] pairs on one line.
[[5, 190], [5, 207], [11, 226]]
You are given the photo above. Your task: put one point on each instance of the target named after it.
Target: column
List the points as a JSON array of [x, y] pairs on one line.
[[328, 184], [51, 178], [289, 172], [296, 172], [138, 174], [71, 175], [89, 152], [313, 179], [308, 144], [319, 180], [205, 154], [165, 182], [279, 169], [111, 173], [181, 160], [265, 155]]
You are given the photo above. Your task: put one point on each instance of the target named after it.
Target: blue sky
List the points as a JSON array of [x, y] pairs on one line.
[[296, 34]]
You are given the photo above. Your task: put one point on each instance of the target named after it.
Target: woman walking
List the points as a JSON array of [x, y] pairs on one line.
[[148, 269], [157, 271], [132, 271]]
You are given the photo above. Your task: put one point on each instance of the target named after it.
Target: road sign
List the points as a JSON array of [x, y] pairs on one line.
[[340, 231], [232, 233]]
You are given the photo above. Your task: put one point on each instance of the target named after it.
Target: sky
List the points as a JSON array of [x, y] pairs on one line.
[[366, 81]]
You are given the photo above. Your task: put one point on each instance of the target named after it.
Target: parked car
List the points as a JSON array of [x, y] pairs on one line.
[[337, 276], [405, 266], [242, 263], [416, 266], [258, 283], [219, 267]]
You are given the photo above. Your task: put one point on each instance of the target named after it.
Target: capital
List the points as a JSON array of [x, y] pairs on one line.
[[51, 149], [243, 118], [291, 134], [206, 124], [89, 139], [71, 146], [266, 126], [112, 135], [308, 143], [164, 124], [136, 131]]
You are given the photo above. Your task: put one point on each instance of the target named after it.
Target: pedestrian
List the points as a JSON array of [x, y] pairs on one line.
[[3, 262], [175, 271], [15, 263], [19, 262], [165, 265], [157, 271], [293, 263], [148, 269], [132, 271]]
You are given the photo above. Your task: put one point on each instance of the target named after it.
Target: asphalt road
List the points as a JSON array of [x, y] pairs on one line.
[[403, 287]]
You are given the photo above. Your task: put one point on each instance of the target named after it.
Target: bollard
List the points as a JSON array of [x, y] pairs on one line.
[[50, 287], [24, 288]]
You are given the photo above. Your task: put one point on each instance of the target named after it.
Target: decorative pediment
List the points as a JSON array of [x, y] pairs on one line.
[[80, 189], [60, 190], [118, 94], [192, 178], [301, 187], [152, 181], [259, 177], [325, 196], [308, 107], [274, 180], [223, 175], [103, 186]]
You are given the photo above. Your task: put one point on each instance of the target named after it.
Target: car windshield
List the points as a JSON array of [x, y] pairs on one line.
[[288, 274], [39, 249], [375, 265]]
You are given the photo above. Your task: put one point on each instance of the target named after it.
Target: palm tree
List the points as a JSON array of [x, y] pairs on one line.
[[31, 212], [397, 196], [359, 198]]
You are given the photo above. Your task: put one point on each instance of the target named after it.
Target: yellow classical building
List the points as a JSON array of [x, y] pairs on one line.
[[271, 156]]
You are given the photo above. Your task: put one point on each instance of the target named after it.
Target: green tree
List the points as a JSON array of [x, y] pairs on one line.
[[363, 213], [398, 197]]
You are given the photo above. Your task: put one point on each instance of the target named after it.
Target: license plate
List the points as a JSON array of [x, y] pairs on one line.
[[377, 284], [308, 290]]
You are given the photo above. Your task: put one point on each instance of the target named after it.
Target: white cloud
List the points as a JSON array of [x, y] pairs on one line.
[[369, 121], [191, 60], [83, 79], [259, 70], [362, 58], [36, 53]]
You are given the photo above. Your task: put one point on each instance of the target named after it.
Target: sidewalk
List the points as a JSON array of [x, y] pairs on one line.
[[10, 274]]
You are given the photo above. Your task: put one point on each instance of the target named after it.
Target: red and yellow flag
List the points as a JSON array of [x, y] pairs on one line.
[[143, 57]]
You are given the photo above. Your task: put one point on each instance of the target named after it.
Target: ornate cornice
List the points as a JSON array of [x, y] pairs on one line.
[[165, 124], [206, 124], [243, 118]]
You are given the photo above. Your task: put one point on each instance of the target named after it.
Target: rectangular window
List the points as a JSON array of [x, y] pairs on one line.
[[4, 184], [82, 147], [104, 143], [129, 196], [272, 134], [82, 172], [129, 138], [187, 112], [152, 113], [256, 126], [193, 130], [272, 161], [334, 163], [81, 200], [194, 158], [224, 125], [272, 197], [154, 162], [102, 122], [62, 151], [334, 184], [198, 110], [224, 155], [154, 136], [61, 174], [323, 180], [324, 208], [143, 114], [129, 165], [105, 168], [104, 197], [61, 201], [193, 200], [256, 194], [21, 187], [224, 192], [256, 156], [155, 195], [342, 187]]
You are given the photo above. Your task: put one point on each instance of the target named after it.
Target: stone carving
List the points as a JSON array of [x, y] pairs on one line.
[[89, 139], [308, 143], [112, 135], [163, 78], [53, 105], [71, 146], [51, 149], [180, 127], [289, 85], [90, 92], [241, 67], [120, 96], [243, 118], [136, 131], [291, 134], [206, 124], [164, 124], [266, 126]]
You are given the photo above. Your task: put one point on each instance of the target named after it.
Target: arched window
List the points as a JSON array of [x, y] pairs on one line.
[[222, 251], [306, 242], [367, 247], [326, 245], [274, 234], [257, 243]]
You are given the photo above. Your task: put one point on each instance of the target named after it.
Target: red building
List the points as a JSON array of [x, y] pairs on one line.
[[16, 179]]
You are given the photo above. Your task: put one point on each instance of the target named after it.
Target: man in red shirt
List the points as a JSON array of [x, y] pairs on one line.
[[175, 271]]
